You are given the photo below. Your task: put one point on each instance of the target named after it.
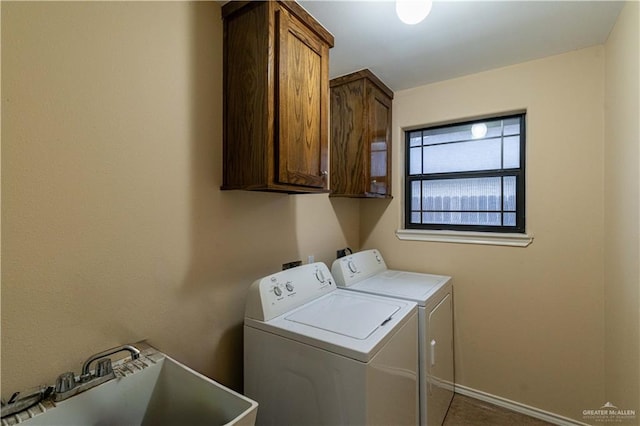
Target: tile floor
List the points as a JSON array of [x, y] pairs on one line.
[[465, 411]]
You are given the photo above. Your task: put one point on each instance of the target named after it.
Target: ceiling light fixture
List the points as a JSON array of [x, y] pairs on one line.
[[412, 11]]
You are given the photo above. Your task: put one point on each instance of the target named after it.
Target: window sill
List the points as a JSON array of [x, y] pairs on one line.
[[488, 238]]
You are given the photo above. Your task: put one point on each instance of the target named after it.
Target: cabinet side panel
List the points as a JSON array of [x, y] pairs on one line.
[[246, 97], [348, 138]]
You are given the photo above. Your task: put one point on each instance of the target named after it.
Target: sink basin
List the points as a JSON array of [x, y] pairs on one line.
[[153, 390]]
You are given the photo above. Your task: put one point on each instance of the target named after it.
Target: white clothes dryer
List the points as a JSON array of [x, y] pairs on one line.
[[316, 354], [367, 272]]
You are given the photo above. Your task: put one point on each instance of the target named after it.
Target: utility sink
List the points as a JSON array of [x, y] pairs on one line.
[[153, 390]]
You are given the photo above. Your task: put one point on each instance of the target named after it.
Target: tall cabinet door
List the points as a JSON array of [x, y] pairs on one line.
[[303, 66], [379, 140], [440, 380]]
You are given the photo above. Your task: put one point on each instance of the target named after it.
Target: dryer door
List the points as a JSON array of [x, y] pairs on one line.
[[440, 361]]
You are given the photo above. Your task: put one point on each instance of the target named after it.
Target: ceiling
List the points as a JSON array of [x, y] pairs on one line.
[[458, 37]]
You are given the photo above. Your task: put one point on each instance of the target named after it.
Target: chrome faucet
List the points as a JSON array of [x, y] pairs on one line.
[[67, 385], [86, 374]]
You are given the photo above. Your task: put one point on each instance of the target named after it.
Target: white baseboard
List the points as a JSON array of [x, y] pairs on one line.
[[518, 407]]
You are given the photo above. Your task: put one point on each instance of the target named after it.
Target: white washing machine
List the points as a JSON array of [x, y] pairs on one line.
[[316, 354], [367, 272]]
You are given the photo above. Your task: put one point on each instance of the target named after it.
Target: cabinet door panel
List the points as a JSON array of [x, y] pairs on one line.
[[303, 66], [379, 143]]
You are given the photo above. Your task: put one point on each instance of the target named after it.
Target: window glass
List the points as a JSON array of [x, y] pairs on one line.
[[462, 156], [511, 147]]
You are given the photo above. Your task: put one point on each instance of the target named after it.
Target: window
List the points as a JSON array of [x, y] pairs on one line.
[[467, 176]]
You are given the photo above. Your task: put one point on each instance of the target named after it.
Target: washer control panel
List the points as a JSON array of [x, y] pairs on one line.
[[276, 294], [356, 267]]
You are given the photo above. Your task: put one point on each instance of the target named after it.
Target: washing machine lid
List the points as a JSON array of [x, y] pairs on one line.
[[413, 286], [346, 315], [352, 324]]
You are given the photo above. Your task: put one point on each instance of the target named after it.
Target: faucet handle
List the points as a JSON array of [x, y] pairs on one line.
[[65, 382], [103, 367]]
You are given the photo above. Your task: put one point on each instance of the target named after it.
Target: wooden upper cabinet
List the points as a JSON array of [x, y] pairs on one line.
[[276, 98], [360, 136]]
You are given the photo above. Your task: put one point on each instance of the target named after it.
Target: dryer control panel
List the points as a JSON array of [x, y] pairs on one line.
[[356, 267], [281, 292]]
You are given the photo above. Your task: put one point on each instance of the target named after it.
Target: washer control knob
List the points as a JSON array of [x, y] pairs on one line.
[[352, 266], [277, 291], [320, 275], [378, 258], [289, 286]]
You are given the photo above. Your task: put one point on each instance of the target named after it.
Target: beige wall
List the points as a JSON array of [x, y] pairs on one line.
[[622, 218], [115, 230], [528, 321], [114, 227]]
